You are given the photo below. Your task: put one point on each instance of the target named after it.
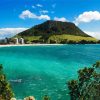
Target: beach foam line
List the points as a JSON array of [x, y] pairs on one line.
[[29, 45]]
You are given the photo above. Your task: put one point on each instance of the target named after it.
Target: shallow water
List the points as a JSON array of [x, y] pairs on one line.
[[40, 70]]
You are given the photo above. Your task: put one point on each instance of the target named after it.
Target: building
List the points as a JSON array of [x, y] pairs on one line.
[[4, 41], [16, 41], [21, 41]]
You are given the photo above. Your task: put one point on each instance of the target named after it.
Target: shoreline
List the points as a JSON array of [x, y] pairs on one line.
[[15, 45]]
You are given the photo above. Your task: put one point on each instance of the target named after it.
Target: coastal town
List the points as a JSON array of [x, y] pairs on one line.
[[14, 41]]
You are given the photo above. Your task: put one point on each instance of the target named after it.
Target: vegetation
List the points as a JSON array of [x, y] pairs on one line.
[[5, 89], [64, 39], [61, 39], [56, 32], [87, 87], [46, 97], [53, 27]]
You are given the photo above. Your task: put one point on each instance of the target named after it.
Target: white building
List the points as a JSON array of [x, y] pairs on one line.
[[16, 41], [21, 40]]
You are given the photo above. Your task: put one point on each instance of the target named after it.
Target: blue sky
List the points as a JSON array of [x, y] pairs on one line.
[[18, 15]]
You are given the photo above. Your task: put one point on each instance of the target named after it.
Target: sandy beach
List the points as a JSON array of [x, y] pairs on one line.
[[12, 45]]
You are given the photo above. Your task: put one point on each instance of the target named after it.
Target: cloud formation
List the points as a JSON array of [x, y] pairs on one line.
[[63, 19], [28, 14], [9, 32], [94, 34], [87, 17], [39, 5]]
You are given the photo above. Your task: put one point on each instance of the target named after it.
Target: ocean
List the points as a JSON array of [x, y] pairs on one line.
[[45, 70]]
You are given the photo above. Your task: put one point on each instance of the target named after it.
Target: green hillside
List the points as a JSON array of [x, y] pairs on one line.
[[53, 27], [55, 32]]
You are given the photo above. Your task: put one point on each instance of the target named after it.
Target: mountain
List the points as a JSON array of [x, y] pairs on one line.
[[53, 27], [55, 32]]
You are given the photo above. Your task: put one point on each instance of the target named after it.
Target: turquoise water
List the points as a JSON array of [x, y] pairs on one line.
[[40, 70]]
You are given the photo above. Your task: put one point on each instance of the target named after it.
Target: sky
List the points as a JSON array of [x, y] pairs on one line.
[[19, 15]]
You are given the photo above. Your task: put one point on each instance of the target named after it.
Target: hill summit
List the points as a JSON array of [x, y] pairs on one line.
[[54, 27]]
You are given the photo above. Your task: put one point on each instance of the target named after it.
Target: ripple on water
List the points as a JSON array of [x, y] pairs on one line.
[[44, 70]]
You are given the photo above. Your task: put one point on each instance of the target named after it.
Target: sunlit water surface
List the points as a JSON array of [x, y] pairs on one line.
[[40, 70]]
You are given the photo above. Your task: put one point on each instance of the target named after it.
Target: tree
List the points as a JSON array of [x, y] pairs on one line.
[[5, 89], [88, 80], [97, 64]]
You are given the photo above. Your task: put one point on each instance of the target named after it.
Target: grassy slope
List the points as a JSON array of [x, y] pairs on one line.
[[59, 38], [71, 37], [31, 38]]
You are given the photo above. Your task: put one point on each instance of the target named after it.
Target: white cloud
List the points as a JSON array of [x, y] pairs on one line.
[[63, 19], [44, 17], [94, 34], [9, 32], [44, 11], [27, 14], [39, 5], [86, 17]]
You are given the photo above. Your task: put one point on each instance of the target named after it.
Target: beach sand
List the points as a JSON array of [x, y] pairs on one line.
[[12, 45]]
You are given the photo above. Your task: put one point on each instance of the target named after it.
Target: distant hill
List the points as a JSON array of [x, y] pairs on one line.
[[56, 32], [53, 27]]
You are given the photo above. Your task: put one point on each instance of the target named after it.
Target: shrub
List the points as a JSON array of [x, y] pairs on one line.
[[5, 89], [87, 86]]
